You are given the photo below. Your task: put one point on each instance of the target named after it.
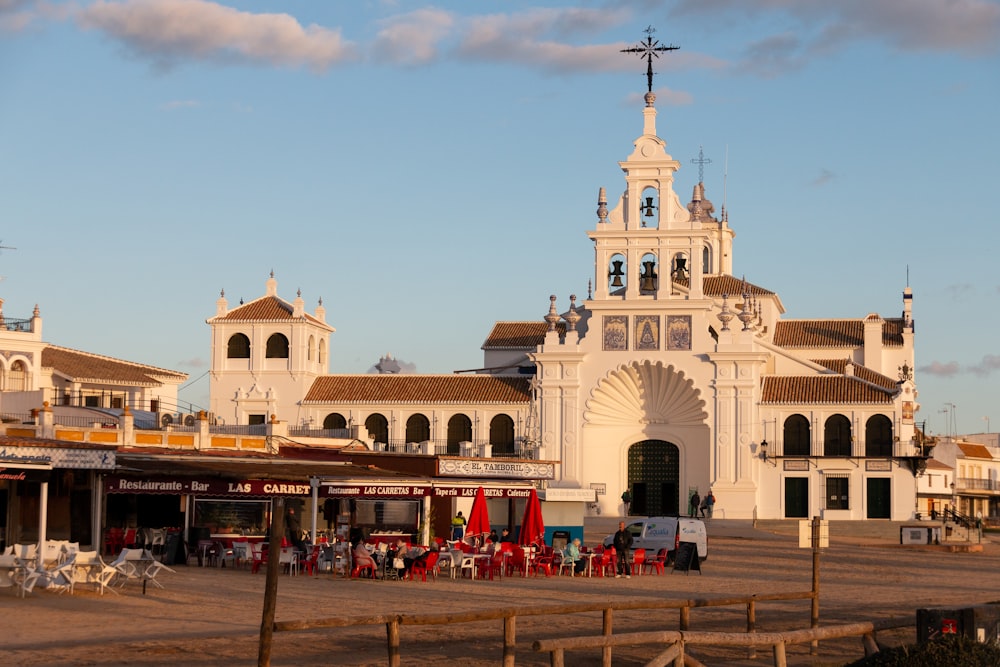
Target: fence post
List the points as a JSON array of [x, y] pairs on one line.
[[509, 640], [685, 618], [751, 626], [814, 610], [392, 635], [606, 631]]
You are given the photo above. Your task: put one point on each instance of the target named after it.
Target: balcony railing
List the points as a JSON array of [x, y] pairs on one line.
[[976, 484], [444, 448]]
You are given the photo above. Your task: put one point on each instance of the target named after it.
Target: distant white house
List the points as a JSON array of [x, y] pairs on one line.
[[974, 486], [33, 372]]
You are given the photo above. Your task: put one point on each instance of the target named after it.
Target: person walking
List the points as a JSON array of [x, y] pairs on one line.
[[710, 503], [623, 547], [627, 500], [694, 505]]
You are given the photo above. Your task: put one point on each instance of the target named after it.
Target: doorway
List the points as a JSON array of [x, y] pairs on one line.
[[654, 477], [796, 497], [879, 498]]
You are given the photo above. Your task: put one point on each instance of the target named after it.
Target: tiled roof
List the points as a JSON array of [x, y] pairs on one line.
[[519, 335], [822, 389], [934, 464], [731, 285], [87, 367], [834, 333], [867, 374], [418, 389], [975, 451], [265, 309]]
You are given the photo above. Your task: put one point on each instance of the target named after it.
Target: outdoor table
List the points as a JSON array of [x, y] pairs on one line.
[[590, 556], [16, 571], [473, 559]]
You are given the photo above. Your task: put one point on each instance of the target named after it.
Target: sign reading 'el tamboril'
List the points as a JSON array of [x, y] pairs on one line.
[[496, 468]]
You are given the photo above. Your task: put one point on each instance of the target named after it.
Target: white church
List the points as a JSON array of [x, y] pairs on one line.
[[670, 376]]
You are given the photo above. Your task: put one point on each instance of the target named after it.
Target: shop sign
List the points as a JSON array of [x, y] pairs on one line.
[[488, 492], [374, 490], [16, 474], [209, 487], [94, 459], [496, 468], [568, 495]]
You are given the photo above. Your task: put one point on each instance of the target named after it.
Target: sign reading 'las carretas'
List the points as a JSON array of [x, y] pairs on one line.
[[494, 468]]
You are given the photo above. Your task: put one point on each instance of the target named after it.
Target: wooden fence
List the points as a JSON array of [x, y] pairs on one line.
[[676, 641], [509, 617]]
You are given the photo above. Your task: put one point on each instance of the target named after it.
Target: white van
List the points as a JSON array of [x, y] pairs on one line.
[[665, 532]]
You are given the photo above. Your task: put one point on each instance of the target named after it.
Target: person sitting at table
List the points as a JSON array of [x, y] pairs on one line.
[[410, 555], [505, 536], [493, 537], [572, 554], [361, 557]]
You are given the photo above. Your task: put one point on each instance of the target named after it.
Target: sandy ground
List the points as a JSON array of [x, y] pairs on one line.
[[207, 616]]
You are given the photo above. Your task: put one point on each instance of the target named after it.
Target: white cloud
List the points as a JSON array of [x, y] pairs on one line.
[[802, 30], [172, 31], [412, 38], [181, 104]]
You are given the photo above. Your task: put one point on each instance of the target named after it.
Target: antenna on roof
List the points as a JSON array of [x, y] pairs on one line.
[[725, 186]]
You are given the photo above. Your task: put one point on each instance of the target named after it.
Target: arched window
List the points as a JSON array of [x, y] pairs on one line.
[[459, 430], [837, 436], [277, 347], [649, 208], [311, 349], [878, 436], [418, 428], [334, 420], [377, 427], [502, 435], [706, 260], [796, 440], [15, 379], [239, 347], [322, 351]]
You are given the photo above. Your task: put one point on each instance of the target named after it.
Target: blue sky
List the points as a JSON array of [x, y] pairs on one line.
[[428, 170]]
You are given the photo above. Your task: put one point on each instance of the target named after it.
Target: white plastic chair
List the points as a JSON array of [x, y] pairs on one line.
[[150, 568], [290, 557], [90, 568]]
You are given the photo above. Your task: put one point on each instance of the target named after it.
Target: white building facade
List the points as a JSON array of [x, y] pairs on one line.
[[671, 376]]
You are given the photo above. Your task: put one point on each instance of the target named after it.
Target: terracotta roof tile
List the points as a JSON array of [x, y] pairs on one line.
[[88, 367], [265, 309], [822, 389], [834, 333], [731, 285], [863, 372], [934, 464], [418, 389], [519, 335], [975, 451]]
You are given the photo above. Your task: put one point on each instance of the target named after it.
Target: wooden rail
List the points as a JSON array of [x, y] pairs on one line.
[[677, 640], [509, 617]]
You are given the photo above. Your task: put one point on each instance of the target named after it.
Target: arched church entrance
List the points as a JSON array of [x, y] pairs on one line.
[[654, 478]]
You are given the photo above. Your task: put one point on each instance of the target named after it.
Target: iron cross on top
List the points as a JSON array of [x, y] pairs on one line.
[[649, 49]]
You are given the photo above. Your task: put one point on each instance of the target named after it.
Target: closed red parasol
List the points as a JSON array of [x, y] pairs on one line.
[[532, 525], [479, 517]]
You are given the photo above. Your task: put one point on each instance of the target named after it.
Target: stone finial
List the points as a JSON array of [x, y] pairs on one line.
[[602, 206], [725, 315], [572, 317], [553, 315]]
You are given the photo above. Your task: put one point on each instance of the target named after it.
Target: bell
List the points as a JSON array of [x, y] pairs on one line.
[[616, 273], [647, 282], [649, 207], [680, 270]]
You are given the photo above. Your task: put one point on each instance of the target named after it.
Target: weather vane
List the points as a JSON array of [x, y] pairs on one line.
[[649, 49]]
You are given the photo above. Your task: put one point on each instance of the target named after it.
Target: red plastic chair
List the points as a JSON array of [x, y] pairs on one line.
[[517, 562], [129, 540], [258, 556], [114, 540], [545, 562], [311, 563], [430, 564], [606, 566], [362, 566], [638, 561], [657, 564]]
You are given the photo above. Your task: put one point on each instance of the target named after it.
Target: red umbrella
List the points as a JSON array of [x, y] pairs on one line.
[[479, 517], [532, 525]]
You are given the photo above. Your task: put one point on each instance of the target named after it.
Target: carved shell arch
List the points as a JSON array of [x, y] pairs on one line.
[[646, 393]]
